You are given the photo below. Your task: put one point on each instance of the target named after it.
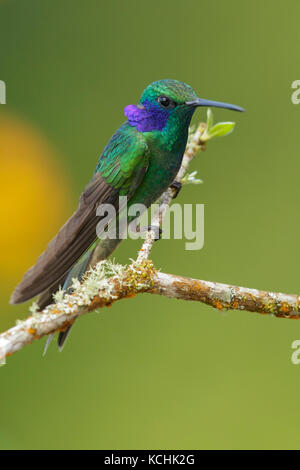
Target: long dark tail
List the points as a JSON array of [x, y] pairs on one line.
[[78, 272], [102, 250], [46, 297]]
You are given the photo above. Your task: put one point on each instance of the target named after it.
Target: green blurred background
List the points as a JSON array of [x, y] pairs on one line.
[[152, 372]]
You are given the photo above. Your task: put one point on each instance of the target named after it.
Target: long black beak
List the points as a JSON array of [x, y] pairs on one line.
[[214, 104]]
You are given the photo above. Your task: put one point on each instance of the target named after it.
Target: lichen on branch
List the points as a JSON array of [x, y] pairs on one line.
[[108, 282]]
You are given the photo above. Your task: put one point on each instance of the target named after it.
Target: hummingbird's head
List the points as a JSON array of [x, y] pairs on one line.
[[167, 99]]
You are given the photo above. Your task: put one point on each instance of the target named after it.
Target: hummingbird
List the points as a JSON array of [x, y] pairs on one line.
[[140, 162]]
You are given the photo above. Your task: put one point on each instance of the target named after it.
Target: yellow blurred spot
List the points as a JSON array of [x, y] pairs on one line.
[[34, 197]]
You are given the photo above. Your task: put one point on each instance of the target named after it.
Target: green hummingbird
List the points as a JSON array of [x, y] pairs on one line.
[[140, 161]]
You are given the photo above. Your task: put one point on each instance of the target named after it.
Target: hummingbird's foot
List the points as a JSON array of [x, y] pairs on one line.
[[176, 185], [156, 230]]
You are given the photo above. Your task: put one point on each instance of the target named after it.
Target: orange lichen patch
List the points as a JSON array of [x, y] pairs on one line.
[[6, 355], [194, 290], [31, 331], [130, 295], [285, 308], [218, 305], [97, 302], [66, 325], [132, 282], [235, 304], [56, 311]]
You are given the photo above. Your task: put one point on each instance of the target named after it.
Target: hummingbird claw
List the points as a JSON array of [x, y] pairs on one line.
[[176, 185]]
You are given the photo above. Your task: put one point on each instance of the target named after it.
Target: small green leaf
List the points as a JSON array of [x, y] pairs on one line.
[[190, 178], [221, 129], [210, 119]]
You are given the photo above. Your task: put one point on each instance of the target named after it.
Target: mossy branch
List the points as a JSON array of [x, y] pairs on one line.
[[108, 282]]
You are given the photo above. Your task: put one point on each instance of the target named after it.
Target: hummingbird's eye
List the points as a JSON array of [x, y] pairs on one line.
[[166, 102]]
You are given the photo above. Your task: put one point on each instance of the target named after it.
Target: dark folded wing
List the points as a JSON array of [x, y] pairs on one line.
[[121, 169], [73, 239]]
